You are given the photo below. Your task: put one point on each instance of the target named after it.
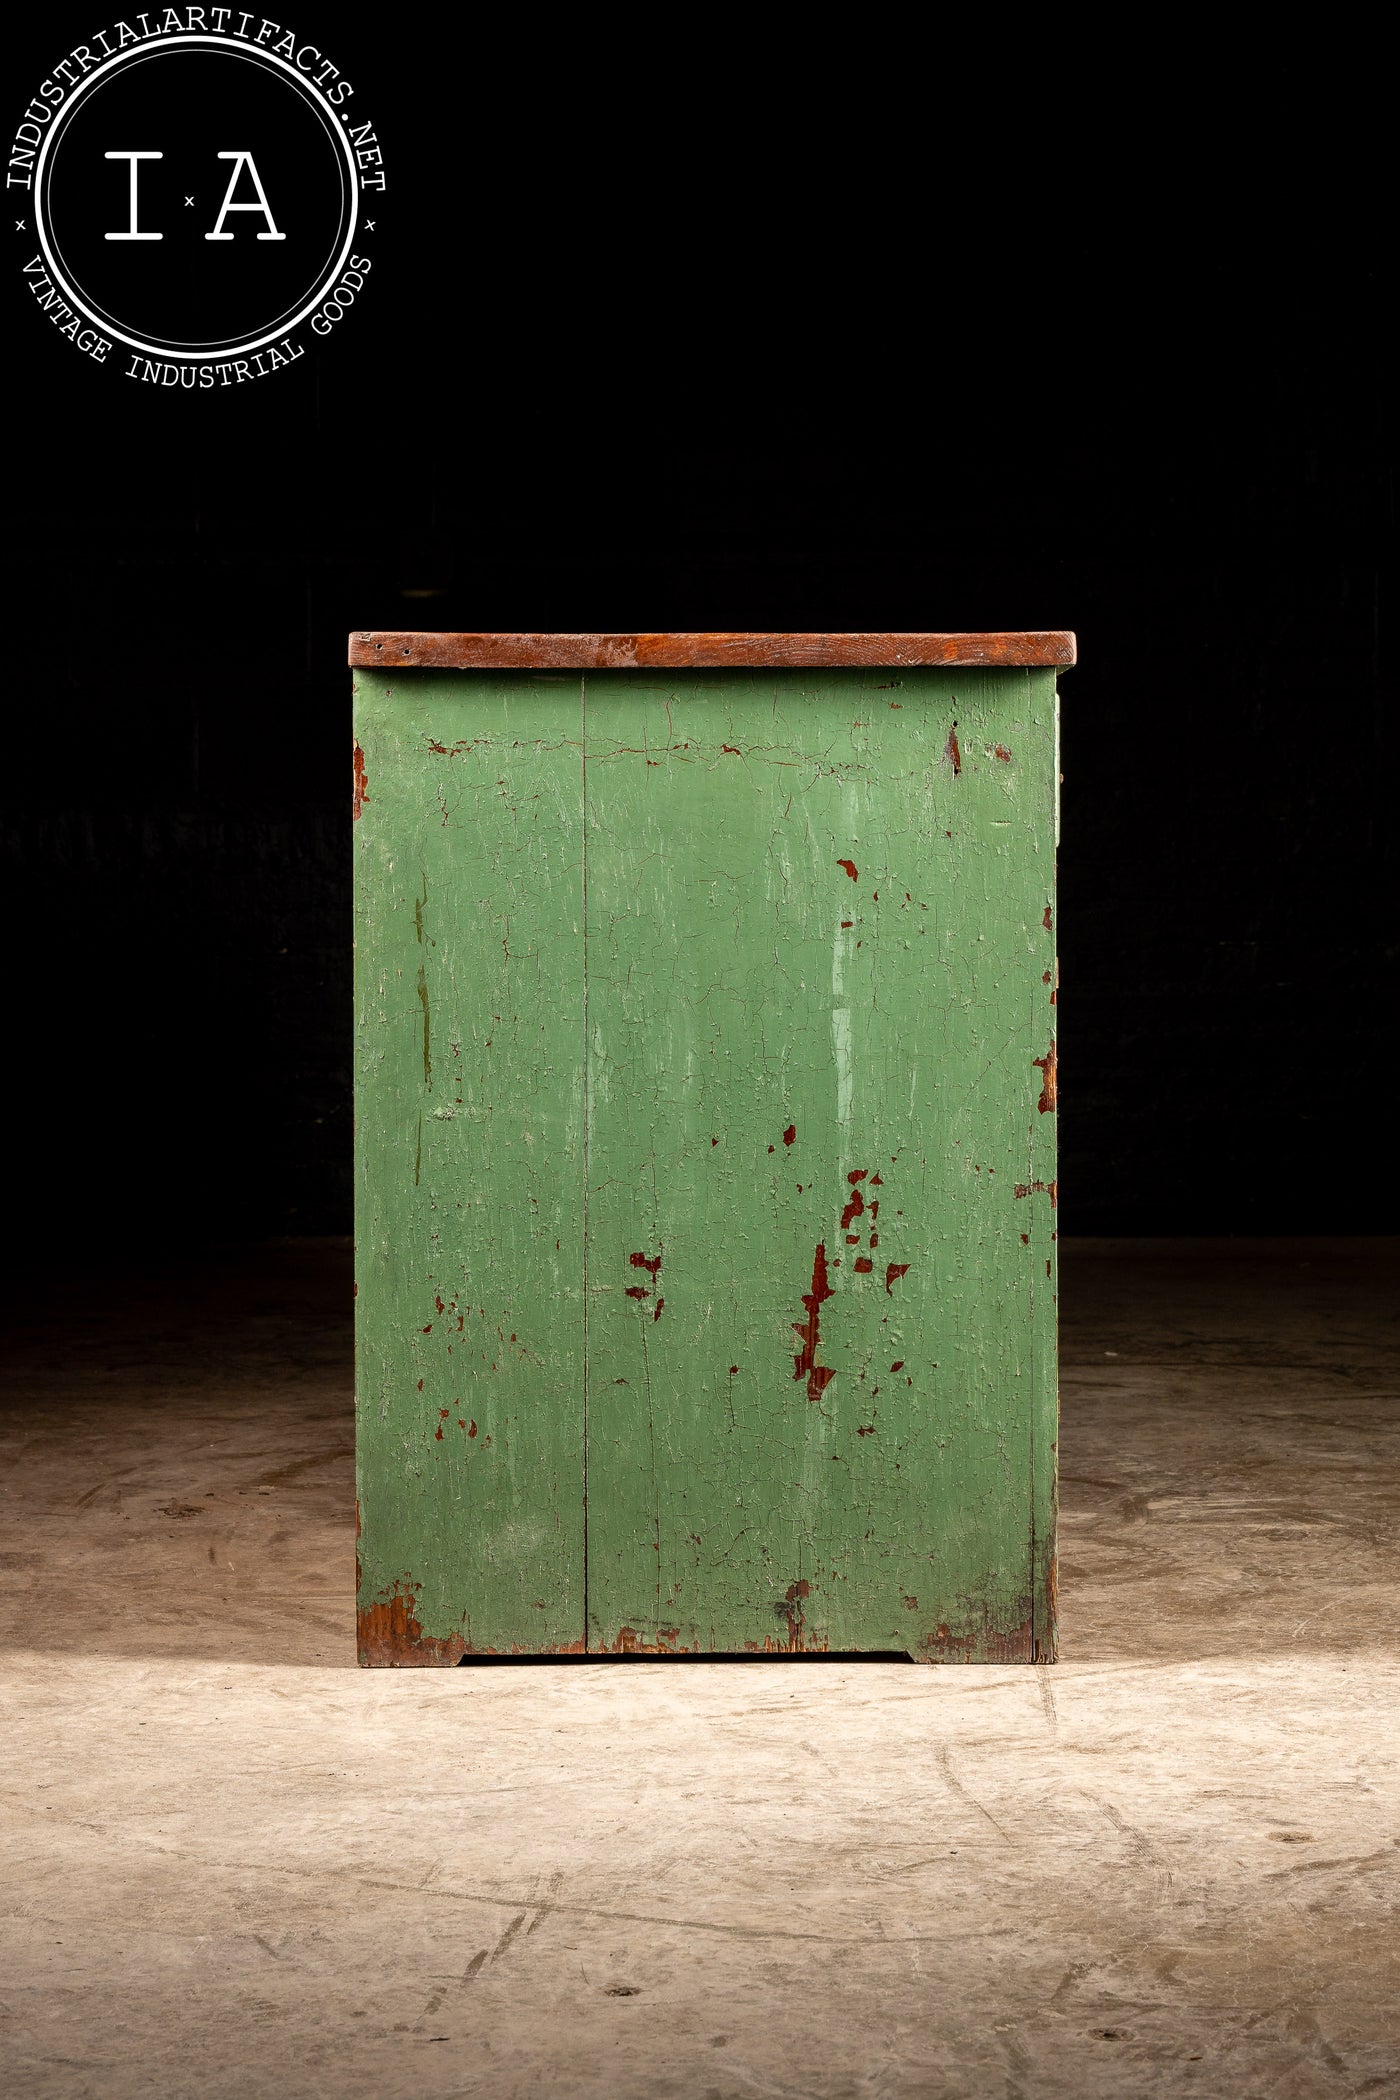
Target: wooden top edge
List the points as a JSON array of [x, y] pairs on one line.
[[644, 652]]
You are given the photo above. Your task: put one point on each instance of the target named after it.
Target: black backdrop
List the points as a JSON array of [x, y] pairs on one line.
[[636, 357]]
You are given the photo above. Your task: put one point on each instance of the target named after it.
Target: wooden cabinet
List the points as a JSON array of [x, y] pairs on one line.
[[705, 1159]]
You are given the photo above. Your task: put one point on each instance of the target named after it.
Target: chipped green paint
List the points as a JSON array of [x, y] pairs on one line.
[[705, 1162]]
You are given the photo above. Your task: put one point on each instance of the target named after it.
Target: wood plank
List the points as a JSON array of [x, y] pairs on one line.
[[563, 652], [821, 1385], [469, 1167]]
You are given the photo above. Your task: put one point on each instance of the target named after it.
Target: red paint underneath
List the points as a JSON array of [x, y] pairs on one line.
[[1044, 1188], [791, 1610], [805, 1365], [1049, 1092]]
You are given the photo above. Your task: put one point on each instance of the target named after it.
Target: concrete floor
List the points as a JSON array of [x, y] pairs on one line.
[[237, 1865]]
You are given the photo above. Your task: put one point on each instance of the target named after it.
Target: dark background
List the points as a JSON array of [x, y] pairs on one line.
[[639, 356]]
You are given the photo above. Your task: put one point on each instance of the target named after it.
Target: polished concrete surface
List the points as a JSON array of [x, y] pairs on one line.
[[235, 1864]]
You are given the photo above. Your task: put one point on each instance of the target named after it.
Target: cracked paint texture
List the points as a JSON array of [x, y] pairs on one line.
[[674, 1027]]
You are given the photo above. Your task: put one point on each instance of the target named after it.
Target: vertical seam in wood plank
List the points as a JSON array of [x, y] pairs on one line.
[[1034, 1614], [583, 873]]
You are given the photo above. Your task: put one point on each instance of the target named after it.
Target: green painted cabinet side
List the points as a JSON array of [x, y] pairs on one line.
[[469, 1167], [797, 1047]]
